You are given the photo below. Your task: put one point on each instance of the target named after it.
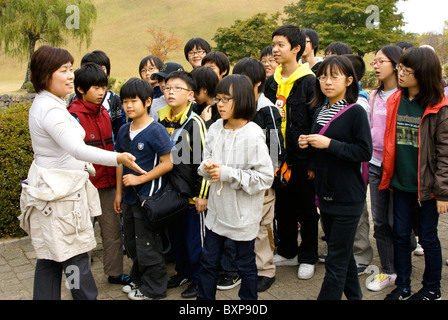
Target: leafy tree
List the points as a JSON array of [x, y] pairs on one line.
[[25, 23], [162, 43], [438, 41], [246, 38], [365, 25]]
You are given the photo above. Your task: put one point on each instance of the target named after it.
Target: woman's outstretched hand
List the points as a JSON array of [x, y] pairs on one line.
[[128, 160]]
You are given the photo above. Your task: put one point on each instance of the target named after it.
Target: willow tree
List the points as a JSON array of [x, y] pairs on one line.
[[26, 23]]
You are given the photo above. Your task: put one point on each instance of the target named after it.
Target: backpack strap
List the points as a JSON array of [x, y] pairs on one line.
[[337, 115]]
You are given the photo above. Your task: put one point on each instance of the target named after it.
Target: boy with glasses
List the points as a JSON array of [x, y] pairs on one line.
[[195, 50]]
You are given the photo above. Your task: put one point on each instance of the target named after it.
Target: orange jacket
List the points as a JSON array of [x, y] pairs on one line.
[[433, 149]]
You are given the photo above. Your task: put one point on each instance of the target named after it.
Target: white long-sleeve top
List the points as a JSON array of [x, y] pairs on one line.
[[58, 139]]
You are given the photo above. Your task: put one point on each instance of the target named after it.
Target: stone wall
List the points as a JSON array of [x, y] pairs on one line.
[[6, 100]]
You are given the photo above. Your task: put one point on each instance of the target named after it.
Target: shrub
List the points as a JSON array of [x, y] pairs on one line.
[[369, 81], [16, 155]]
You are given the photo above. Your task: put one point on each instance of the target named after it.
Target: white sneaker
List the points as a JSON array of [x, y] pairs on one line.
[[129, 287], [306, 271], [419, 250], [137, 295], [282, 261], [381, 281]]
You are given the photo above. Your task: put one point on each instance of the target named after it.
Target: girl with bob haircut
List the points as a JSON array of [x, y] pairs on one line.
[[415, 167], [237, 162], [61, 231], [340, 136], [384, 64]]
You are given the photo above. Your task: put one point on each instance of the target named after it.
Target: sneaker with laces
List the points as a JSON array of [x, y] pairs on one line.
[[381, 281], [130, 287], [137, 295], [177, 280], [306, 271], [123, 279], [282, 261], [425, 294], [264, 283], [398, 294], [227, 283]]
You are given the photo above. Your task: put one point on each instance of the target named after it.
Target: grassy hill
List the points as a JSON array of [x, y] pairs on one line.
[[121, 31]]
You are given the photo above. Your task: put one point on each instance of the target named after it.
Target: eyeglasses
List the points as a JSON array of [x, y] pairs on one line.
[[265, 61], [199, 53], [150, 70], [224, 100], [332, 78], [406, 72], [379, 62], [175, 89]]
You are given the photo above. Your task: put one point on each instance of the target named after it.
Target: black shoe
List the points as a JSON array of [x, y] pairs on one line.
[[176, 281], [424, 294], [264, 283], [228, 282], [398, 294], [191, 291], [123, 279]]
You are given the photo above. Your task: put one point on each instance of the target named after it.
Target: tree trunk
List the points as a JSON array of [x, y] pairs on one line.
[[33, 40]]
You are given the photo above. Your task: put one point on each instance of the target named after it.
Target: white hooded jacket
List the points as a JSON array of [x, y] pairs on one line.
[[57, 208]]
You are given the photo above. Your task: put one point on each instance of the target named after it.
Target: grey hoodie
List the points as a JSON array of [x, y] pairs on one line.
[[235, 203]]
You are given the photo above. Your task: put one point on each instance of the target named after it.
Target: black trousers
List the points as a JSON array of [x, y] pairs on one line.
[[296, 204], [48, 277]]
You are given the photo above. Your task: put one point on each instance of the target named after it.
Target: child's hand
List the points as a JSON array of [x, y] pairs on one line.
[[131, 180], [215, 173], [303, 141], [201, 205], [318, 141], [209, 165], [118, 203]]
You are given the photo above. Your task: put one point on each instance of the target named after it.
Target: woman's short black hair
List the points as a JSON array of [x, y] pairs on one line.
[[220, 59], [336, 64], [89, 75], [99, 57], [155, 61], [242, 94], [252, 68], [136, 87], [183, 75], [314, 38], [338, 48], [199, 43], [428, 72], [205, 78]]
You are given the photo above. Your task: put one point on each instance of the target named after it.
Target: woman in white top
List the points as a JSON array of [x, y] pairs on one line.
[[57, 199]]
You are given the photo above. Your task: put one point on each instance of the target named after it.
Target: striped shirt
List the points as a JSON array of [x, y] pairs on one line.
[[328, 112]]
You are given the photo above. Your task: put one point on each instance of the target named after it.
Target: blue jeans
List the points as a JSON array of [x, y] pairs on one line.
[[382, 216], [405, 205], [210, 264]]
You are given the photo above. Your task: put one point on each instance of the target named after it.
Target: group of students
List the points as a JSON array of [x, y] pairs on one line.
[[290, 109]]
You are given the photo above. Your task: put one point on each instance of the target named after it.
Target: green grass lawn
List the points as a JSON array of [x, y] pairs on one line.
[[121, 31]]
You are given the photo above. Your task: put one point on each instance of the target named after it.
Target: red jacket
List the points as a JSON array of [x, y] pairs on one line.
[[96, 122], [432, 153]]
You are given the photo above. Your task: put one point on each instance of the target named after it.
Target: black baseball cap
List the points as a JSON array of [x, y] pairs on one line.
[[166, 69]]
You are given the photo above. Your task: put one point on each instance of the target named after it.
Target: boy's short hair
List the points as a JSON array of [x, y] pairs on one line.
[[98, 57], [294, 35], [205, 78], [242, 95], [218, 58], [253, 69], [314, 38], [359, 65], [198, 43], [338, 48], [89, 75], [155, 61], [267, 51], [136, 87], [185, 76], [44, 62]]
